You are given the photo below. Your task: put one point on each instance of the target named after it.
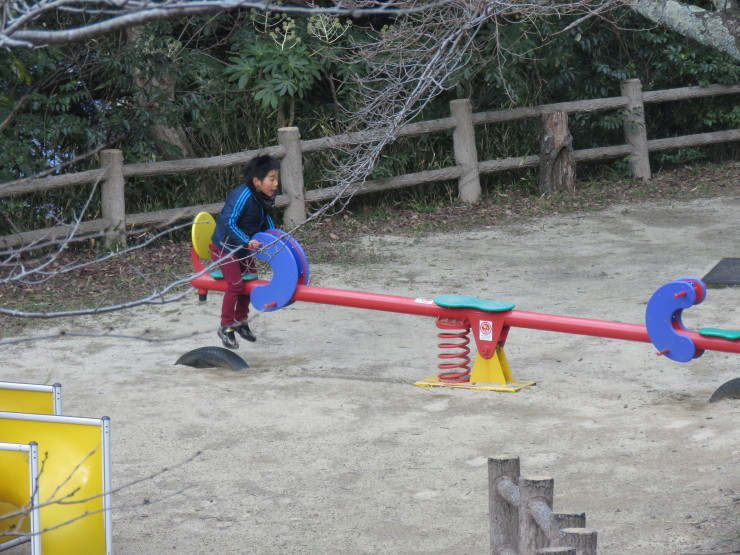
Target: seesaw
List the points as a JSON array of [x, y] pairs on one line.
[[457, 315]]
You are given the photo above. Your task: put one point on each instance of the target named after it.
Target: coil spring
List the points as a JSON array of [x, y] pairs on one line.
[[459, 370]]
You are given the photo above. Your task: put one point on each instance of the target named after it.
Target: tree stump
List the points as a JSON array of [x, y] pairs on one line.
[[557, 165]]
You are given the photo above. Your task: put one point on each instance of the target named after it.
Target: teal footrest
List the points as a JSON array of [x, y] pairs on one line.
[[217, 274], [465, 301], [718, 332]]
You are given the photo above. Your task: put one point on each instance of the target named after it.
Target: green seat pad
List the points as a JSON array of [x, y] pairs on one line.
[[216, 274], [465, 301], [718, 332]]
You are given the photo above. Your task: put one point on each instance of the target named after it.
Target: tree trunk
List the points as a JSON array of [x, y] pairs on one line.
[[557, 167], [157, 89]]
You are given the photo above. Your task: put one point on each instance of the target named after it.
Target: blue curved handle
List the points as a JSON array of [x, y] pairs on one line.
[[663, 318], [289, 267], [298, 254]]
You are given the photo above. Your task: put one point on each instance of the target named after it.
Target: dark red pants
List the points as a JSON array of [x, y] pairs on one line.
[[235, 307]]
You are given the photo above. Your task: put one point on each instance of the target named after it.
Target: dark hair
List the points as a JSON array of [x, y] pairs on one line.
[[260, 166]]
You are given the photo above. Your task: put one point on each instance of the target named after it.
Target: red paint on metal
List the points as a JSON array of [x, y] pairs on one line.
[[504, 320]]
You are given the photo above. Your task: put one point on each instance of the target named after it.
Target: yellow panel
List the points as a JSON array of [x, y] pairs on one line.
[[72, 466], [15, 398], [15, 492], [17, 524], [203, 226]]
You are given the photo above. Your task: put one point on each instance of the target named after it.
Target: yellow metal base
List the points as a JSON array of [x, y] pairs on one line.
[[510, 387], [489, 374]]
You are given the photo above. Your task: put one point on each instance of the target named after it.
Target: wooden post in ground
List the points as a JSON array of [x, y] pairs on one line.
[[635, 132], [291, 176], [466, 153], [557, 164], [535, 513], [503, 505], [112, 197], [568, 520], [583, 539]]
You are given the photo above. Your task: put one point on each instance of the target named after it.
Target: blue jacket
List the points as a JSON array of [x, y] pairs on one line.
[[242, 216]]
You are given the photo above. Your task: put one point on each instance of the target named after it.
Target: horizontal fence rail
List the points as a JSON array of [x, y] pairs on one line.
[[113, 172]]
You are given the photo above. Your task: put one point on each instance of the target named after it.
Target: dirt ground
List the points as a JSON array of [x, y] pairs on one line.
[[324, 445]]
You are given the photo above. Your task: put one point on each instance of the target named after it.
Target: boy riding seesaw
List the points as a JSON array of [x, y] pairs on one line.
[[247, 211]]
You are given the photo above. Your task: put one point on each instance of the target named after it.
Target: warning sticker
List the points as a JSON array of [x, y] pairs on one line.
[[485, 332]]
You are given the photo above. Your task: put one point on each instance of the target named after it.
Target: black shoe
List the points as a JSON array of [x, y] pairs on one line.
[[244, 331], [227, 337]]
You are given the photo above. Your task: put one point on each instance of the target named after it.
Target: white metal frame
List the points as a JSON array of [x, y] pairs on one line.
[[33, 476]]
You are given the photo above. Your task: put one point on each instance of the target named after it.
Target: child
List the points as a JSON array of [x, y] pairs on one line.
[[247, 211]]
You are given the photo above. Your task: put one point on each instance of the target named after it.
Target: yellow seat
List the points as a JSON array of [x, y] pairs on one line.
[[200, 234]]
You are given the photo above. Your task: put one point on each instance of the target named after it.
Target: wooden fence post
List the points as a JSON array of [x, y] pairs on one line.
[[568, 520], [583, 539], [557, 165], [635, 133], [535, 513], [466, 153], [112, 197], [291, 176], [503, 473]]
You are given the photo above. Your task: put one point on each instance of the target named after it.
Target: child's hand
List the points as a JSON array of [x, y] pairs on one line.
[[254, 245]]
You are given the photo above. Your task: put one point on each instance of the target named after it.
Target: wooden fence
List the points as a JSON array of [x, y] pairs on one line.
[[113, 173], [522, 521]]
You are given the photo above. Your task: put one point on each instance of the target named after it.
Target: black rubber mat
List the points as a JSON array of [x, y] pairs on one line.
[[726, 272]]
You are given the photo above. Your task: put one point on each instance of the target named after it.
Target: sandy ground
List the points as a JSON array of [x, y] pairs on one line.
[[324, 445]]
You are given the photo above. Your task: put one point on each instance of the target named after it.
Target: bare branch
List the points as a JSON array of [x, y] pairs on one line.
[[172, 292], [412, 63], [19, 17], [62, 165], [719, 29], [68, 498]]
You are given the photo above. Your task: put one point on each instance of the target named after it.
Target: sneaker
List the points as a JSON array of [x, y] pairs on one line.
[[227, 337], [244, 331]]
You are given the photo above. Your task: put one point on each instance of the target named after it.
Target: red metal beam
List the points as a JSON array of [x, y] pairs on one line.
[[511, 318]]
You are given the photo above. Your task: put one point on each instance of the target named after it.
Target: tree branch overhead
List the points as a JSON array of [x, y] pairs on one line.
[[719, 29], [22, 25]]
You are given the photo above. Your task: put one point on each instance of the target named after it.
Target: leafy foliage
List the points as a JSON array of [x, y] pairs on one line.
[[227, 82], [281, 59], [590, 61]]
